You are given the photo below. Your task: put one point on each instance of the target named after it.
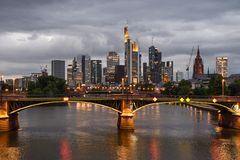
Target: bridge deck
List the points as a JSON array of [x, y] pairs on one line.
[[115, 102]]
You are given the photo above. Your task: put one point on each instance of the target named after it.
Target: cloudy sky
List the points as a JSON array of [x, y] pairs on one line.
[[33, 32]]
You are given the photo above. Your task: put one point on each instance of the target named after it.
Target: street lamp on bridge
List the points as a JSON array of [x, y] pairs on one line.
[[13, 85], [223, 86]]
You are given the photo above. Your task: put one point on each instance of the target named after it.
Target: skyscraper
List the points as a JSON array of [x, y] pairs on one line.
[[145, 77], [167, 69], [119, 74], [112, 60], [105, 76], [155, 64], [96, 71], [79, 72], [198, 65], [140, 67], [84, 65], [222, 66], [58, 68], [179, 76], [70, 76], [132, 59], [146, 73], [74, 74], [135, 63]]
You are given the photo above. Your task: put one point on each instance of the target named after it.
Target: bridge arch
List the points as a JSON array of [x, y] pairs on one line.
[[168, 102], [218, 105], [59, 102]]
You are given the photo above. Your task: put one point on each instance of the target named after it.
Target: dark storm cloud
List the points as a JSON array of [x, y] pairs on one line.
[[37, 31]]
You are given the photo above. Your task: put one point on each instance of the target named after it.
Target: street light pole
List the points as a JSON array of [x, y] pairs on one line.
[[122, 86], [13, 85], [223, 87], [127, 86]]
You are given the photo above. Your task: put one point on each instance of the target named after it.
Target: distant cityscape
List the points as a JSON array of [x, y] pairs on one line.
[[84, 72]]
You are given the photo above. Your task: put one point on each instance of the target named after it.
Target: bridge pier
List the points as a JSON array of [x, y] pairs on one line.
[[229, 120], [125, 119], [7, 122]]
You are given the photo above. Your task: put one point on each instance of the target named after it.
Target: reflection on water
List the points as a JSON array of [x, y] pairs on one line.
[[226, 145], [154, 149], [65, 150], [126, 148], [86, 131], [9, 147]]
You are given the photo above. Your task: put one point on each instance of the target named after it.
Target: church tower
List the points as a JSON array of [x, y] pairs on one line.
[[198, 65]]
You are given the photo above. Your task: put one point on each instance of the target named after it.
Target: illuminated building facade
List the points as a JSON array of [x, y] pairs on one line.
[[198, 68], [70, 81], [222, 66], [96, 71], [76, 72], [112, 60], [167, 70], [79, 72], [132, 59], [84, 65]]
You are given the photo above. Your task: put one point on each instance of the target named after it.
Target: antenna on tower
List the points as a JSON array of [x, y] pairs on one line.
[[152, 40], [138, 44]]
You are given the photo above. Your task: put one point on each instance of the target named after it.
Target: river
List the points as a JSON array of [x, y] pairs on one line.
[[87, 131]]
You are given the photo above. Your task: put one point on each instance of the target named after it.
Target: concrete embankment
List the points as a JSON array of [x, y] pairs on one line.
[[203, 107]]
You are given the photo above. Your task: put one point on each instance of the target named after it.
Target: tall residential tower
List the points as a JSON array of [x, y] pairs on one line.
[[222, 66]]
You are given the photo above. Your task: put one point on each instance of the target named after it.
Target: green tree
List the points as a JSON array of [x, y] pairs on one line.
[[215, 85], [234, 88], [170, 88], [201, 91], [47, 86], [184, 87]]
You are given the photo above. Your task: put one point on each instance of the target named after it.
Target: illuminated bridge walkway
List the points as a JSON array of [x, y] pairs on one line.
[[229, 113]]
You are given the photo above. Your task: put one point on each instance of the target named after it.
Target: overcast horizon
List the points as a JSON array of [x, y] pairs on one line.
[[34, 32]]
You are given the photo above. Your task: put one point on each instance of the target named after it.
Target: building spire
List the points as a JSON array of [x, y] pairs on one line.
[[198, 68], [126, 36], [198, 52]]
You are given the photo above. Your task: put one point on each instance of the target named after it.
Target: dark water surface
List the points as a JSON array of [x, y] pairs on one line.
[[86, 131]]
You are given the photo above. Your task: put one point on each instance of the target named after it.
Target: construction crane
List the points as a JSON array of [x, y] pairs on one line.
[[189, 62]]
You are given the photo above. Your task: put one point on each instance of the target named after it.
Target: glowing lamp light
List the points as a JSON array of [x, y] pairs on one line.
[[188, 100], [214, 100], [236, 107], [181, 99], [154, 99], [65, 99]]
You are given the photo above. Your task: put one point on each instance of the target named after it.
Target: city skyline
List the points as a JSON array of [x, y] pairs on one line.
[[40, 32]]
